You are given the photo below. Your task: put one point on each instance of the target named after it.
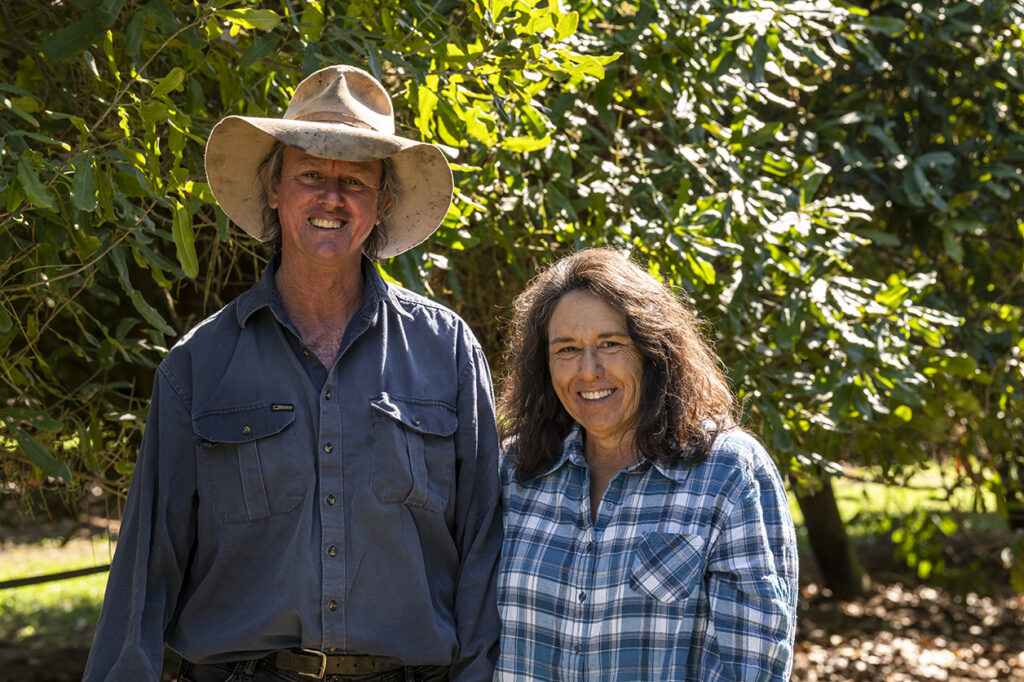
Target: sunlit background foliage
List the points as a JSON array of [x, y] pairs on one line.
[[835, 185]]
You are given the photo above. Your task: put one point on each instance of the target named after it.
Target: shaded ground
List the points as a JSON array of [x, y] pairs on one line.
[[903, 631]]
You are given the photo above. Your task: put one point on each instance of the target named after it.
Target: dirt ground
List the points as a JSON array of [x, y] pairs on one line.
[[902, 631]]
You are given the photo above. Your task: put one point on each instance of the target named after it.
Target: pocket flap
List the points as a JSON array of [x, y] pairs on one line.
[[243, 424], [425, 416]]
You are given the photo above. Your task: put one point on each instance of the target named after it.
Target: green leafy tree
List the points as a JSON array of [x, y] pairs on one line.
[[738, 147], [929, 127]]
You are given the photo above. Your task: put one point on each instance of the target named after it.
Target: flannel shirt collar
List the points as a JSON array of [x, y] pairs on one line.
[[572, 452]]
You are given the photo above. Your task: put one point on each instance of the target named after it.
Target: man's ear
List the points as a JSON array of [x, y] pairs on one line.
[[382, 208], [272, 193]]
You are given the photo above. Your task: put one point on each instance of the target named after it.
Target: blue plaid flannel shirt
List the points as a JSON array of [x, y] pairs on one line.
[[687, 573]]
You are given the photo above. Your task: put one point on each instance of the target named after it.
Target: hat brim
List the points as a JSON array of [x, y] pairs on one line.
[[238, 144]]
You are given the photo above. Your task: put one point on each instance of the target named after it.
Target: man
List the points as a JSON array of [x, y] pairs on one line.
[[316, 495]]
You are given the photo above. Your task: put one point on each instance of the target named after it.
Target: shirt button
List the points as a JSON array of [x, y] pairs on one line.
[[590, 546], [579, 648], [583, 596], [333, 605], [246, 429], [609, 505], [305, 351], [416, 422], [328, 448], [327, 395], [330, 499], [332, 551]]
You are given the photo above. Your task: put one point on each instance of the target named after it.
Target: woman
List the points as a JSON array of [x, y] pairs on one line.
[[646, 536]]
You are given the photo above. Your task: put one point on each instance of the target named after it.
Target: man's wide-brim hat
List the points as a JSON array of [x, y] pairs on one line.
[[340, 113]]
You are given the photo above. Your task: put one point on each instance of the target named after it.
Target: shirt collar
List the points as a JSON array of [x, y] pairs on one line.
[[572, 451], [264, 294]]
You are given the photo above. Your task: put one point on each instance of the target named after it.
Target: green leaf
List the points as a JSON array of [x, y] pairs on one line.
[[701, 269], [928, 191], [261, 19], [498, 7], [133, 34], [952, 246], [83, 190], [879, 238], [185, 240], [35, 191], [566, 26], [149, 313], [312, 22], [893, 296], [172, 81], [41, 457], [525, 144], [6, 323], [890, 26], [259, 49], [903, 412], [936, 159], [83, 33]]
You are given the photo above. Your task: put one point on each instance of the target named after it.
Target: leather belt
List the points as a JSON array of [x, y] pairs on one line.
[[317, 664]]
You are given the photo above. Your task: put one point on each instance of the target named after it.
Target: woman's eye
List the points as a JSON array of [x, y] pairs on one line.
[[565, 350]]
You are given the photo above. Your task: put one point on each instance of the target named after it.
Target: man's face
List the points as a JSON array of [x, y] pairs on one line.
[[326, 208]]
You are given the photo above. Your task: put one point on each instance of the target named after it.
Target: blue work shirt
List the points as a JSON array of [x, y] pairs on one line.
[[277, 503], [686, 573]]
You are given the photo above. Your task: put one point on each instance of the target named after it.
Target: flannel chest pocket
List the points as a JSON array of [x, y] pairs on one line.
[[667, 567]]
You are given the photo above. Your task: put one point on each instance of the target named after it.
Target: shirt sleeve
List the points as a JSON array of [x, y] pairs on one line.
[[752, 583], [477, 525], [152, 548]]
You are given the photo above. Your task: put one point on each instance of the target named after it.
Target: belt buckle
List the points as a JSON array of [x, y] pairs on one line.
[[323, 664]]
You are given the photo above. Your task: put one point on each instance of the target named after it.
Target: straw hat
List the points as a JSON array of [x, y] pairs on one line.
[[340, 113]]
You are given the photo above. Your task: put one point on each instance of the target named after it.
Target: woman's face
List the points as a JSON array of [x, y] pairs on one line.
[[595, 368]]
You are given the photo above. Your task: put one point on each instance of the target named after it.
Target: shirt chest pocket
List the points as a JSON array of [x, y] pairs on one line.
[[667, 566], [251, 461], [414, 451]]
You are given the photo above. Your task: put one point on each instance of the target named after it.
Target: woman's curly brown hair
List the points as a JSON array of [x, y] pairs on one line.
[[685, 397]]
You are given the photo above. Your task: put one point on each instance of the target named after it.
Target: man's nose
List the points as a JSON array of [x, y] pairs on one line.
[[332, 193]]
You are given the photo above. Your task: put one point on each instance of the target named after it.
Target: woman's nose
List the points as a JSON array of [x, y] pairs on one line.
[[590, 363]]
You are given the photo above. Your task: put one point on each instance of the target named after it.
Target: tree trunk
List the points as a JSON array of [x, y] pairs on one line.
[[1011, 470], [834, 552]]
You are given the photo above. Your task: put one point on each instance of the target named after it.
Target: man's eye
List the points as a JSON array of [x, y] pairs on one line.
[[310, 175], [610, 344], [354, 183]]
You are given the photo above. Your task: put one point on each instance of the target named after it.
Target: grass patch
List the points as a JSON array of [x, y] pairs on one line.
[[58, 612], [864, 500], [926, 525]]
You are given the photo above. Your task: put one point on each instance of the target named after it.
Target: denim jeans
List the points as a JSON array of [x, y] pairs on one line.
[[259, 671]]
